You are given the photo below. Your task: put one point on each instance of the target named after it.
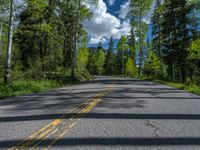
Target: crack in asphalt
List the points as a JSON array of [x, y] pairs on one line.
[[156, 129]]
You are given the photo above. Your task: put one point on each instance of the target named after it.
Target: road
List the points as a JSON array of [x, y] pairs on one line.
[[105, 114]]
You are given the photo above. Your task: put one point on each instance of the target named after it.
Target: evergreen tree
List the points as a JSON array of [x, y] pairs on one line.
[[152, 65], [109, 65], [121, 54], [175, 36]]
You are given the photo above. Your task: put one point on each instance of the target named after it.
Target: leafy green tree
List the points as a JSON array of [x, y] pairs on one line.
[[96, 61], [99, 61], [139, 8], [132, 45], [130, 68], [194, 61], [156, 28], [83, 55], [7, 76], [122, 48], [153, 66]]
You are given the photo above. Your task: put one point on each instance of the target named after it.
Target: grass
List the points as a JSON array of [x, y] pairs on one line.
[[189, 88], [22, 87], [26, 87]]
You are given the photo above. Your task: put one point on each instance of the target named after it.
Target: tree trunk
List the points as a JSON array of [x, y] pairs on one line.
[[76, 41], [1, 41], [9, 47], [140, 43], [173, 71]]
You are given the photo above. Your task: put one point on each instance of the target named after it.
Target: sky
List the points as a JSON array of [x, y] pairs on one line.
[[109, 19]]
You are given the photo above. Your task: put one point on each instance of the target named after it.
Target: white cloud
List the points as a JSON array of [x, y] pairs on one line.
[[111, 2], [125, 8], [103, 25], [147, 18], [95, 40]]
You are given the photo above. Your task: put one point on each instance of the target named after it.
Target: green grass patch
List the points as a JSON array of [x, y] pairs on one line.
[[26, 87], [189, 88]]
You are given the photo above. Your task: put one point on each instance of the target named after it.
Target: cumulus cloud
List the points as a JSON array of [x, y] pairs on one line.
[[147, 18], [125, 8], [103, 25]]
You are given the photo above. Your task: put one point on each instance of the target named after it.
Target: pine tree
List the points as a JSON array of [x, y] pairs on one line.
[[152, 66], [175, 36], [109, 65]]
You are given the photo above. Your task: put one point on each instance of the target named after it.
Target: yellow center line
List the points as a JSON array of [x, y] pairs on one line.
[[85, 111], [47, 130]]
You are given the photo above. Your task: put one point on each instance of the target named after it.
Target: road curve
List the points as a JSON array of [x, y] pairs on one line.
[[107, 113]]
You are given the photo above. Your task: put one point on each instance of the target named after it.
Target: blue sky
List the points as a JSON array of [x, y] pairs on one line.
[[109, 19]]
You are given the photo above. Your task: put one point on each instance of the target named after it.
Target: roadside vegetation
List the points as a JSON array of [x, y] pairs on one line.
[[43, 45]]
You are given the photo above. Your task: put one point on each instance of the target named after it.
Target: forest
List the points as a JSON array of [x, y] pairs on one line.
[[43, 44]]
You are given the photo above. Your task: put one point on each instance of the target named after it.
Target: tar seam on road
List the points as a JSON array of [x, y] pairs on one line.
[[59, 127]]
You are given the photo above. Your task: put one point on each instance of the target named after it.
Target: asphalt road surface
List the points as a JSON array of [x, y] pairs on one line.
[[104, 114]]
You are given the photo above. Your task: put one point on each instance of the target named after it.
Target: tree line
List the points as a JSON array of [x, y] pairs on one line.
[[47, 36], [49, 40], [176, 34]]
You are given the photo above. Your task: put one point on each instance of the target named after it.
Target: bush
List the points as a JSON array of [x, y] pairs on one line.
[[154, 68], [25, 87], [130, 69]]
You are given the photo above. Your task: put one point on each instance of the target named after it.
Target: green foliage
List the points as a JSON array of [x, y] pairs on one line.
[[96, 61], [130, 68], [99, 61], [82, 58], [25, 87], [122, 52], [153, 66], [190, 88], [194, 61], [194, 50], [140, 8], [109, 65]]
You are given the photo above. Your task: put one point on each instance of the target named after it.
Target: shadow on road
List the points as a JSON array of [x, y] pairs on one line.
[[112, 142], [103, 116]]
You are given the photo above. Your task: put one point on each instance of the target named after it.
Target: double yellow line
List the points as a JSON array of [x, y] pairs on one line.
[[59, 127]]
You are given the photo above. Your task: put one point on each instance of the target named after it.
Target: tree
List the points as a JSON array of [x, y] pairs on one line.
[[122, 48], [156, 28], [9, 47], [175, 36], [194, 61], [132, 45], [96, 61], [99, 61], [32, 35], [194, 6], [153, 66], [139, 8], [83, 55], [109, 65], [130, 68]]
